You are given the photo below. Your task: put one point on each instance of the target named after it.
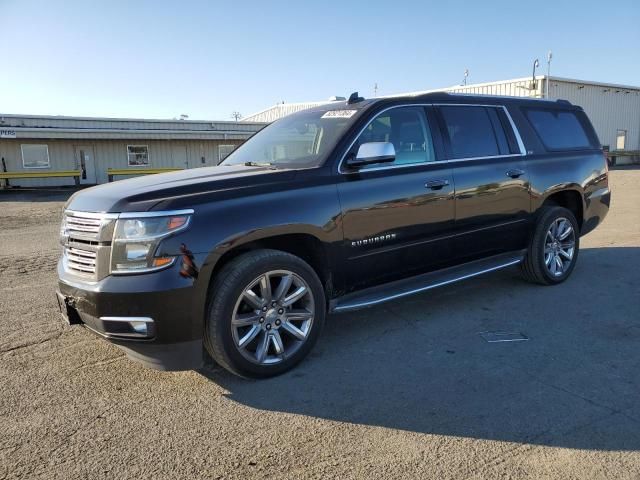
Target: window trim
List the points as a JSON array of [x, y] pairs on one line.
[[148, 164], [516, 132], [46, 145]]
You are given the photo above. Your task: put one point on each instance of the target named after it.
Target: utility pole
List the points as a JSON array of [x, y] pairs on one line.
[[375, 89], [549, 57], [236, 116], [466, 74]]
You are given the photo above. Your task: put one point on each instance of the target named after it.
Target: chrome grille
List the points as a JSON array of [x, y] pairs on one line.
[[80, 260], [82, 227], [86, 238]]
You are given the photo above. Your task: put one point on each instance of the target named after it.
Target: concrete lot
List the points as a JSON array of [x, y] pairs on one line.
[[405, 390]]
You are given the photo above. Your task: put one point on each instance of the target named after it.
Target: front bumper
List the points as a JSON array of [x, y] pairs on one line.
[[155, 317]]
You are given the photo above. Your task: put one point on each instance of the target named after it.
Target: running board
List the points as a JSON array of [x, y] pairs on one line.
[[427, 281]]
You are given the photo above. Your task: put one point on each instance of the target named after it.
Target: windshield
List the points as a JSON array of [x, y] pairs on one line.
[[300, 140]]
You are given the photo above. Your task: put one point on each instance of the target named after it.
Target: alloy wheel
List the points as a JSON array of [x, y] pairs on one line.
[[559, 246], [273, 317]]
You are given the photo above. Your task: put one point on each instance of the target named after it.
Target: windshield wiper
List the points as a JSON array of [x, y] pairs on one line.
[[259, 164]]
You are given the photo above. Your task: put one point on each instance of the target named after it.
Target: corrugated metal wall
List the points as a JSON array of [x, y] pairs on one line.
[[518, 88], [107, 124], [111, 154], [609, 108], [280, 110]]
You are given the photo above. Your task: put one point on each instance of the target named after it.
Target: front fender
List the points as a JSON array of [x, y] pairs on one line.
[[219, 227]]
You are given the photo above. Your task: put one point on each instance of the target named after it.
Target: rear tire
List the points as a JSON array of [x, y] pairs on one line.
[[266, 311], [553, 251]]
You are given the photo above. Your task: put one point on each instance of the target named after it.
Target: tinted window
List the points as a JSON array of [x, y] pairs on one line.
[[470, 131], [407, 129], [558, 129], [498, 130]]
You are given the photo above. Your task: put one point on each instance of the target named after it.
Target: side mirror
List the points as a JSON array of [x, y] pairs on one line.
[[373, 152]]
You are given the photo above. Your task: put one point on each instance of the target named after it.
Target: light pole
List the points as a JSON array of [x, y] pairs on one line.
[[536, 64], [549, 57], [466, 74]]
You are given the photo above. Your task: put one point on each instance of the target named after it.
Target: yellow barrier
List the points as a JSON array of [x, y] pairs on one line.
[[137, 171], [39, 174]]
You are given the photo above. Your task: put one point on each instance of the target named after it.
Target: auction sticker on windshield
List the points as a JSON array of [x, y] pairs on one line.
[[339, 114]]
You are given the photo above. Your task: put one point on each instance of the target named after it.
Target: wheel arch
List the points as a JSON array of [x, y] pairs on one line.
[[306, 246], [570, 198]]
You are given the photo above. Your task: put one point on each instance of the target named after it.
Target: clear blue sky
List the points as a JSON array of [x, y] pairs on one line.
[[160, 59]]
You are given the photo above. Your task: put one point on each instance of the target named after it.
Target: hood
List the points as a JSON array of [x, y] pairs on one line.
[[176, 190]]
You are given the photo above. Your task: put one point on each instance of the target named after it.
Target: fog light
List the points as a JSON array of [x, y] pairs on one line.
[[128, 327], [139, 327]]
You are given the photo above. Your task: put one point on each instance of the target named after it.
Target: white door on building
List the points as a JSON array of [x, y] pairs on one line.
[[85, 162], [179, 156]]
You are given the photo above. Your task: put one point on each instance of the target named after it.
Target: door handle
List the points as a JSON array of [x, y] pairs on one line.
[[436, 184], [515, 173]]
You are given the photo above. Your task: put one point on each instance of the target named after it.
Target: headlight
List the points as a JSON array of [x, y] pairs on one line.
[[135, 241]]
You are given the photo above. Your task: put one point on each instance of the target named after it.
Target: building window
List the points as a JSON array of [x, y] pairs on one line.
[[138, 155], [35, 156], [224, 151], [621, 139]]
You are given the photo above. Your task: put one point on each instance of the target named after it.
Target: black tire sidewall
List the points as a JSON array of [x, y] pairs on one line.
[[543, 226], [223, 303]]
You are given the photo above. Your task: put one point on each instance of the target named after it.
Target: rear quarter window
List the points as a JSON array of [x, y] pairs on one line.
[[559, 129]]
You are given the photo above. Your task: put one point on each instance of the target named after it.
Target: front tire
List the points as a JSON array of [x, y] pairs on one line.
[[266, 311], [553, 251]]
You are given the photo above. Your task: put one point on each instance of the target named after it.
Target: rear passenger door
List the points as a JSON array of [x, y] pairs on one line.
[[492, 197]]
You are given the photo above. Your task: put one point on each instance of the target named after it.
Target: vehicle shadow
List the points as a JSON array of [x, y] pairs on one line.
[[420, 365]]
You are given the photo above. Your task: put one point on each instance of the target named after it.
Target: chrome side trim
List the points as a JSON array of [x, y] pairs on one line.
[[516, 132], [160, 213], [425, 288], [437, 162], [127, 319], [470, 159], [75, 213]]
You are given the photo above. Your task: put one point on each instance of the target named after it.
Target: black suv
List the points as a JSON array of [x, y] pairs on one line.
[[331, 209]]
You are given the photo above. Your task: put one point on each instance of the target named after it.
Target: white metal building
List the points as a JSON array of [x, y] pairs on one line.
[[613, 109], [31, 143]]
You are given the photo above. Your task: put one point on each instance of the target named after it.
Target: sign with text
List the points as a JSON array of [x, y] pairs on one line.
[[7, 133]]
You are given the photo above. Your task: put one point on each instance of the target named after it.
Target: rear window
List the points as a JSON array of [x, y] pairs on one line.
[[558, 129]]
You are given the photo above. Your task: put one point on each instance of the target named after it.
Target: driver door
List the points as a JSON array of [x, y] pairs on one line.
[[396, 214]]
